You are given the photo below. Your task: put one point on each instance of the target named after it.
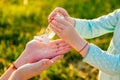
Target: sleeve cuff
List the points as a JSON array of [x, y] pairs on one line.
[[89, 57]]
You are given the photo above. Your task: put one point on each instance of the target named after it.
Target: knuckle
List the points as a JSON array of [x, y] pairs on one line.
[[30, 44]]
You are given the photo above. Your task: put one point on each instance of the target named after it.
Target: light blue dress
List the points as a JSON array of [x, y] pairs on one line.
[[108, 62]]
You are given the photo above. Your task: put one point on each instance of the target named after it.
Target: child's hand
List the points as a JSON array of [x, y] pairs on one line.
[[63, 12], [64, 29]]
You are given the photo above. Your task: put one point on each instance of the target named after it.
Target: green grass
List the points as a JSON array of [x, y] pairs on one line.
[[19, 23]]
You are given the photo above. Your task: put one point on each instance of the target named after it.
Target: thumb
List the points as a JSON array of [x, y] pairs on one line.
[[55, 59]]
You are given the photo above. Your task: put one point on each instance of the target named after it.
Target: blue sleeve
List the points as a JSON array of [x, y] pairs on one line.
[[97, 27], [105, 62]]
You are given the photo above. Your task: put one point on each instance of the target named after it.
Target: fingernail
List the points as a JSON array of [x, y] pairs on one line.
[[51, 19]]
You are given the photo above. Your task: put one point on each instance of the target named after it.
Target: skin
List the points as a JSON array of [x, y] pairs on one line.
[[64, 28], [43, 51], [63, 12], [30, 70]]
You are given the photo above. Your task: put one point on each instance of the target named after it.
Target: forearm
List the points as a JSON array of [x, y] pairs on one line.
[[83, 47], [92, 28], [105, 62], [7, 74], [19, 62], [15, 76], [97, 27], [80, 44]]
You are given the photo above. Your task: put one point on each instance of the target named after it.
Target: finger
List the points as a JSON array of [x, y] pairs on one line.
[[60, 51], [63, 51], [33, 69], [37, 64], [57, 58], [62, 44], [57, 10], [62, 11], [52, 15], [63, 47], [55, 29], [58, 25], [43, 65], [62, 23], [59, 48], [58, 29], [56, 42], [53, 51], [53, 46], [58, 33], [42, 62]]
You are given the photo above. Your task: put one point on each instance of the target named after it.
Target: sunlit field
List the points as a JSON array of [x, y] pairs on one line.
[[20, 21]]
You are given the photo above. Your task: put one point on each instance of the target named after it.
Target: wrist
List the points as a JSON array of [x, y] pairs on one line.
[[84, 50], [19, 62], [16, 76], [72, 21], [23, 59], [78, 43], [82, 46]]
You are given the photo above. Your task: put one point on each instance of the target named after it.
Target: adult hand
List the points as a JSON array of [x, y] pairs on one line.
[[36, 50], [63, 12], [30, 70]]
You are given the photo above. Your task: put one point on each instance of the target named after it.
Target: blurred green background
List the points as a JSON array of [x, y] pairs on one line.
[[20, 21]]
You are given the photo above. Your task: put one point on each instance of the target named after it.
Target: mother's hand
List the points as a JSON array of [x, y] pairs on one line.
[[36, 50], [30, 70]]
